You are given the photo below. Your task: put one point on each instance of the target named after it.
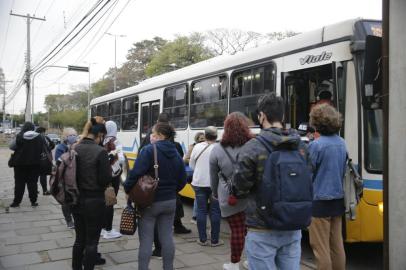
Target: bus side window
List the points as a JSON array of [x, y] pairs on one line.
[[208, 102], [130, 113], [248, 85], [175, 104], [115, 112]]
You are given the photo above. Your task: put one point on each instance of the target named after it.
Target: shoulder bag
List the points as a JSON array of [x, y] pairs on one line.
[[45, 161], [143, 192]]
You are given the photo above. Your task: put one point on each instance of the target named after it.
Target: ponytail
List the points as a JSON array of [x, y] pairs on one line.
[[94, 125]]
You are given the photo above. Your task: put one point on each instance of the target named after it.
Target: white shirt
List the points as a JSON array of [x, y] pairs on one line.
[[201, 169]]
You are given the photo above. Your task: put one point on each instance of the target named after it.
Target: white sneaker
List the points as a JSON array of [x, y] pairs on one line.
[[111, 234], [245, 265], [193, 221], [103, 232], [231, 266]]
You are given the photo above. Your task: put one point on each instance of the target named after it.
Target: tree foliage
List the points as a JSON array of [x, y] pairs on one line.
[[230, 41], [181, 52]]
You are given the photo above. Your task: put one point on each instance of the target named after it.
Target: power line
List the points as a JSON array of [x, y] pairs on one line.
[[42, 23], [43, 60], [108, 28], [111, 8]]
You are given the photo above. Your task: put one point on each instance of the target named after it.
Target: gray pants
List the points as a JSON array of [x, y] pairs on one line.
[[162, 213]]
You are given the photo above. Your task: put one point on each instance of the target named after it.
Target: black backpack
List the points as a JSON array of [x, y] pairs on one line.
[[284, 199]]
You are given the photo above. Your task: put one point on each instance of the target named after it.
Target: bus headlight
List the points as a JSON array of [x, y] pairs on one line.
[[380, 207]]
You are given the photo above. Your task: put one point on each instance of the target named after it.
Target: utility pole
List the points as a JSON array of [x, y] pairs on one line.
[[28, 115], [115, 58]]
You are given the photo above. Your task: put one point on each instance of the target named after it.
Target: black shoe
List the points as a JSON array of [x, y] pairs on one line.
[[99, 260], [182, 230], [34, 204], [157, 253], [15, 204], [46, 193]]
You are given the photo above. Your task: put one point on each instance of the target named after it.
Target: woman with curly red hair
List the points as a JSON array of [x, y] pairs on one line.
[[222, 161]]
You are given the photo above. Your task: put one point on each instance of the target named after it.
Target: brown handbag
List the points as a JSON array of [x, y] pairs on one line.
[[110, 196], [128, 223], [143, 192]]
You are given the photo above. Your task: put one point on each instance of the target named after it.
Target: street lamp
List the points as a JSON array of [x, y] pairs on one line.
[[115, 58]]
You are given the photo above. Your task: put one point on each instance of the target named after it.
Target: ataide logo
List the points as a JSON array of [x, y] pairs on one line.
[[309, 59]]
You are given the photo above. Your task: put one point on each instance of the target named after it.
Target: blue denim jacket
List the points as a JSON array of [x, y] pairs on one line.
[[328, 156]]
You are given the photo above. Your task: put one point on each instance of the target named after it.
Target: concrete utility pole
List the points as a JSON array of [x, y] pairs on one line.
[[396, 134], [28, 115], [115, 58]]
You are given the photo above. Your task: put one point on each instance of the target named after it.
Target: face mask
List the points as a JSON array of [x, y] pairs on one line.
[[71, 139]]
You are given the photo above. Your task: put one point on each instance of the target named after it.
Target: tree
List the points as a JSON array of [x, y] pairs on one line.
[[226, 41], [181, 52]]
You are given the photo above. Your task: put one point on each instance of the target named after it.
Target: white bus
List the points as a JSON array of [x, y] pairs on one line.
[[345, 55]]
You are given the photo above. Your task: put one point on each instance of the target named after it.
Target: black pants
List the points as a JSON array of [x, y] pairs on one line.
[[43, 182], [177, 222], [87, 217], [109, 211], [25, 176], [67, 212]]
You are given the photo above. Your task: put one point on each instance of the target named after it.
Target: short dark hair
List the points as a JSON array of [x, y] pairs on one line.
[[165, 129], [163, 118], [272, 106]]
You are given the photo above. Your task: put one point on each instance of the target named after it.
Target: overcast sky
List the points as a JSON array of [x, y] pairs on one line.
[[142, 19]]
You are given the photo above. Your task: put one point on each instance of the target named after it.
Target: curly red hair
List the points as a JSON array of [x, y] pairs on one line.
[[236, 130]]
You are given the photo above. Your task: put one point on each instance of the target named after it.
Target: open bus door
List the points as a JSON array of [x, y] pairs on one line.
[[149, 116]]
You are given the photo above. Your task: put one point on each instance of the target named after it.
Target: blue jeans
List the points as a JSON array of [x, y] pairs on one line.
[[271, 250], [203, 195]]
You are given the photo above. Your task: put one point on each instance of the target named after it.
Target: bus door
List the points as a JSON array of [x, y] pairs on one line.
[[149, 116], [305, 88]]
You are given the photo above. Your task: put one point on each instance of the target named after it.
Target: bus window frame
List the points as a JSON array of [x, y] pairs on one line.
[[188, 86], [121, 111], [253, 66], [225, 74], [138, 113]]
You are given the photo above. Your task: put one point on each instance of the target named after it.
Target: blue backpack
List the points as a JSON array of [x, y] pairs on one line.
[[284, 199]]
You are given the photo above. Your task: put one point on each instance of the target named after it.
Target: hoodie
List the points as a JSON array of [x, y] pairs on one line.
[[111, 128], [28, 148], [251, 165], [171, 170]]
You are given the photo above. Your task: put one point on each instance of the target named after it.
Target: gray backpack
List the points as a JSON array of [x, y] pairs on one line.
[[63, 182]]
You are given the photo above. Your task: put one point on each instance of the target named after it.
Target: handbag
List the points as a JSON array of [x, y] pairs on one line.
[[45, 161], [11, 161], [128, 222], [110, 196], [143, 192]]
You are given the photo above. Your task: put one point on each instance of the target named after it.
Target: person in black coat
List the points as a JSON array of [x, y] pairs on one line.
[[27, 148], [50, 145]]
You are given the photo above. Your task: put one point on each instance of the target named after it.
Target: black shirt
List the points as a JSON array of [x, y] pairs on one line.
[[328, 208]]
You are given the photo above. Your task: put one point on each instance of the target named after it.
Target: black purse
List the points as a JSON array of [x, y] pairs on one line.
[[11, 161], [45, 161]]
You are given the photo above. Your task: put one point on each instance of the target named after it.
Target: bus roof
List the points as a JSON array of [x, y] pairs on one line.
[[335, 32]]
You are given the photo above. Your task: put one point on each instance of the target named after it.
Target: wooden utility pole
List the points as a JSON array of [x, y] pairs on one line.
[[28, 115]]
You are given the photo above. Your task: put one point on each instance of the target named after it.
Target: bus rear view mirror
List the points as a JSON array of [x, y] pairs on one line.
[[372, 81]]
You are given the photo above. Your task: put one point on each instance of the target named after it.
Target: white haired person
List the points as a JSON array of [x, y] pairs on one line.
[[117, 159], [69, 138]]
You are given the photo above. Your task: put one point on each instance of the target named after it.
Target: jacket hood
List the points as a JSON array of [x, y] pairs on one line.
[[29, 135], [167, 148], [281, 138], [111, 128]]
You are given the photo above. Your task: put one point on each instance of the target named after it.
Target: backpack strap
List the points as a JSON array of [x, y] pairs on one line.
[[264, 143], [229, 155], [197, 158]]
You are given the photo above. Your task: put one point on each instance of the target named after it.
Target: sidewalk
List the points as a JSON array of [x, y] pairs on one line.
[[37, 238]]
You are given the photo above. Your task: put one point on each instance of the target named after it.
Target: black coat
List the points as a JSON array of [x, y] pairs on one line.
[[29, 147]]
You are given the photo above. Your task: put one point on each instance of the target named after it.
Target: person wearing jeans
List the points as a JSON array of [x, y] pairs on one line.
[[161, 213], [200, 163], [203, 195]]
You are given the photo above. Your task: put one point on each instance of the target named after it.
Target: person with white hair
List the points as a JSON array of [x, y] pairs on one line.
[[117, 159], [69, 138]]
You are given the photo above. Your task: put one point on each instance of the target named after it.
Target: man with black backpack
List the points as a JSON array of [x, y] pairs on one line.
[[273, 174]]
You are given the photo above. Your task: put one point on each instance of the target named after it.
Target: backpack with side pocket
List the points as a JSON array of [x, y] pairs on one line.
[[63, 183], [285, 195]]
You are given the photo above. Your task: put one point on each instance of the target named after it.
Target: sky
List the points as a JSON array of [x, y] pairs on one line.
[[138, 20]]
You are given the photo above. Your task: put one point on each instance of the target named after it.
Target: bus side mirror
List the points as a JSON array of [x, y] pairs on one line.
[[372, 80]]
